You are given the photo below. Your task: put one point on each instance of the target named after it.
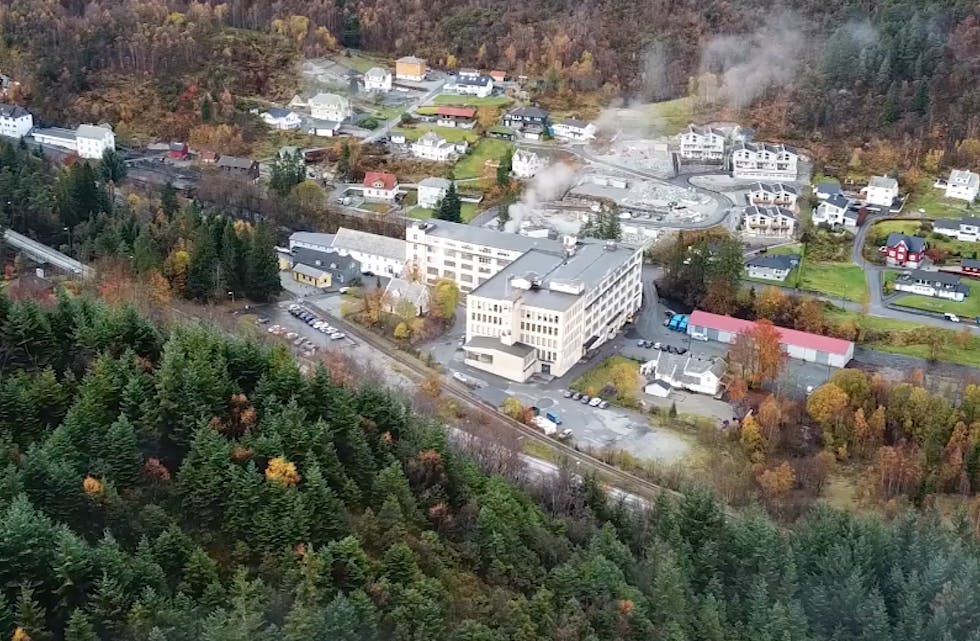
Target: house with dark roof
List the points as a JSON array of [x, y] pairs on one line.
[[340, 268], [574, 129], [826, 189], [241, 167], [970, 266], [282, 119], [965, 229], [776, 194], [470, 82], [693, 373], [833, 210], [934, 284], [772, 222], [523, 116], [15, 121], [902, 250], [764, 161], [774, 267]]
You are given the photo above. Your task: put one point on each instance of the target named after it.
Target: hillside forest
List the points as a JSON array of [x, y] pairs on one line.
[[176, 483], [817, 72]]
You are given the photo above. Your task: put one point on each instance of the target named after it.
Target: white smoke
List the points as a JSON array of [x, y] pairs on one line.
[[748, 65], [549, 184]]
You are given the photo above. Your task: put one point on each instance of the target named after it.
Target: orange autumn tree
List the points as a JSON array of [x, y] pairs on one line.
[[756, 356], [282, 471]]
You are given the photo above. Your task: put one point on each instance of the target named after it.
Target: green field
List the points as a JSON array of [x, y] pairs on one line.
[[969, 308], [467, 210], [472, 101], [792, 248], [471, 165], [595, 379], [672, 115], [452, 134], [841, 280], [359, 60], [932, 202]]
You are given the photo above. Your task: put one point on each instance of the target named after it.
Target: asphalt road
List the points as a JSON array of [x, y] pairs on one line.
[[391, 124]]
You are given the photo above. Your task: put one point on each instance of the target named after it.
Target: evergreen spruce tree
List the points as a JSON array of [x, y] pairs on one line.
[[232, 258], [112, 167], [504, 168], [168, 201], [79, 628], [263, 282], [345, 170], [329, 518], [30, 615], [288, 170], [206, 109], [450, 208], [121, 457], [204, 278]]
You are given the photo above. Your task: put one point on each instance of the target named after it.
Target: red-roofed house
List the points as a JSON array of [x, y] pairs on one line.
[[463, 117], [804, 346], [497, 75], [380, 185]]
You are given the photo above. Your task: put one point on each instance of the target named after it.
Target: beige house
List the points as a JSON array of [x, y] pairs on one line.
[[410, 68]]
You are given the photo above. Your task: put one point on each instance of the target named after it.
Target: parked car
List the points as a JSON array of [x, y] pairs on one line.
[[595, 402], [553, 417], [681, 350], [585, 399], [668, 313], [291, 335], [567, 393], [262, 320], [336, 336], [576, 396], [461, 378], [658, 345], [953, 318], [566, 433], [603, 405], [641, 343], [299, 341]]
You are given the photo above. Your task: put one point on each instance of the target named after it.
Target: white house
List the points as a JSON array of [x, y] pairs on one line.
[[15, 121], [94, 140], [701, 375], [832, 211], [432, 146], [966, 229], [771, 267], [377, 79], [825, 190], [763, 161], [703, 144], [470, 82], [377, 254], [934, 284], [329, 106], [963, 185], [773, 194], [525, 164], [881, 191], [279, 118], [431, 192], [574, 129], [323, 128], [380, 185], [399, 290], [772, 222]]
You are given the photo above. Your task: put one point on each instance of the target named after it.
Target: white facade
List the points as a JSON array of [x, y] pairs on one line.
[[573, 129], [323, 128], [377, 79], [963, 185], [328, 106], [685, 372], [473, 83], [703, 143], [772, 222], [525, 164], [433, 147], [379, 186], [763, 161], [932, 284], [469, 256], [773, 194], [965, 229], [93, 140], [432, 191], [282, 119], [833, 211], [558, 304], [15, 121], [377, 254], [881, 191]]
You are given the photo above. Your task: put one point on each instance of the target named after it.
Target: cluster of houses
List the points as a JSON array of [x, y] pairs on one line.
[[328, 112], [86, 140], [534, 123], [748, 160]]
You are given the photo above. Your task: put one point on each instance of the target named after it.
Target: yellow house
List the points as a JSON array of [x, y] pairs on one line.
[[311, 276], [410, 68]]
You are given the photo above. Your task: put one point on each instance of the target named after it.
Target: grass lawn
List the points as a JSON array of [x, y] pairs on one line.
[[792, 248], [359, 60], [451, 134], [603, 374], [841, 280], [378, 208], [933, 203], [471, 166], [968, 309], [472, 101], [673, 115], [953, 247], [467, 210]]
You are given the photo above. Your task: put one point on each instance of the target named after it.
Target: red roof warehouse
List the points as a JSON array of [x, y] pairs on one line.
[[815, 348]]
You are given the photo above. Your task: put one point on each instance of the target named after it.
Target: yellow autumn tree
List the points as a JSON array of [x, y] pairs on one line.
[[282, 471], [92, 486], [20, 634], [752, 439]]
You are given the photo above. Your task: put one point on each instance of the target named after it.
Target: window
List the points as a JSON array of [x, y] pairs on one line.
[[466, 278], [484, 260]]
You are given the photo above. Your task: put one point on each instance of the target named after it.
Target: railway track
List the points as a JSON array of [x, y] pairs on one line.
[[614, 477]]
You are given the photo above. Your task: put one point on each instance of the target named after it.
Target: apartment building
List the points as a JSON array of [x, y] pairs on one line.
[[466, 254], [704, 144], [543, 311], [763, 161], [15, 121]]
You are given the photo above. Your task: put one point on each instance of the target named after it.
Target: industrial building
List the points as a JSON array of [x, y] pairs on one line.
[[804, 346]]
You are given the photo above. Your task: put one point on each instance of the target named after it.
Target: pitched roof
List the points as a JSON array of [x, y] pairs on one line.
[[972, 263], [330, 261], [946, 223], [828, 187], [754, 210], [884, 182], [457, 112], [235, 162], [965, 177], [839, 200], [13, 111], [359, 241], [773, 188], [312, 238], [914, 243], [432, 138], [55, 132], [377, 72], [574, 122], [328, 99], [474, 80], [410, 60], [934, 277], [775, 261], [93, 131], [308, 270], [787, 336], [486, 237], [435, 181], [390, 180], [278, 112], [529, 112], [405, 290]]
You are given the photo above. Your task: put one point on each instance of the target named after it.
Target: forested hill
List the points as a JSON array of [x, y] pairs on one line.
[[811, 69], [185, 486]]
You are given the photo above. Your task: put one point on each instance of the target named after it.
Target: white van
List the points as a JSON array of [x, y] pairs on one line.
[[953, 318]]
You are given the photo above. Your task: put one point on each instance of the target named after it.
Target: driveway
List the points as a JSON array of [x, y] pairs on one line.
[[394, 122]]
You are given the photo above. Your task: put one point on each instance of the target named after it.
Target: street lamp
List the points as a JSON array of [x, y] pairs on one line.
[[232, 294], [70, 250]]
